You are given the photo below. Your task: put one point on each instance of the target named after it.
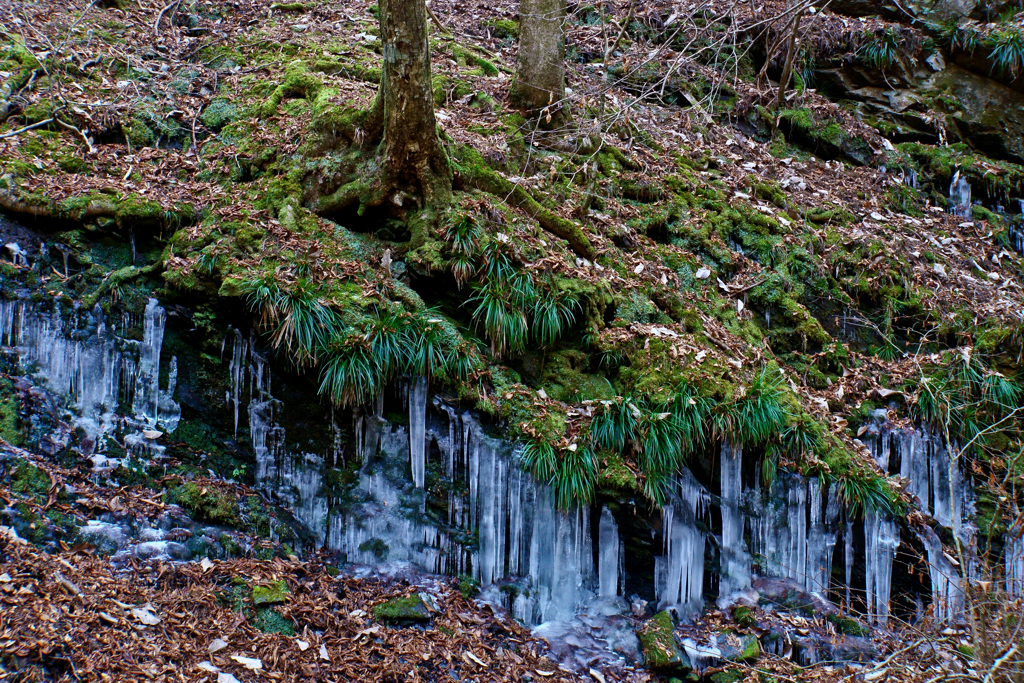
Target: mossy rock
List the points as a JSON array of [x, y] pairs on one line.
[[659, 647], [737, 647], [28, 480], [730, 676], [398, 610], [272, 593], [847, 625]]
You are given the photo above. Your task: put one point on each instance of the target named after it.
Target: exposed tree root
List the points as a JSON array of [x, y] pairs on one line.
[[477, 175]]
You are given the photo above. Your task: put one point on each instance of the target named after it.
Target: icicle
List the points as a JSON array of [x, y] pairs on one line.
[[960, 195], [910, 178], [417, 430], [1014, 559], [881, 538], [735, 559], [610, 555], [848, 557], [947, 594], [679, 573]]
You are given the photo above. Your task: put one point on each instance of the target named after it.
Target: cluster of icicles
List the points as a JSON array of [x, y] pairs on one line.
[[518, 537], [97, 371], [500, 525]]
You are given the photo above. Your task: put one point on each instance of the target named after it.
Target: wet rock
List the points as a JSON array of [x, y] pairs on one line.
[[790, 595], [852, 649], [737, 647], [153, 550], [659, 647]]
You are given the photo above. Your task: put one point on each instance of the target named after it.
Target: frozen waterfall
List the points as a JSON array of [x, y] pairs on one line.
[[796, 530], [960, 196], [934, 476]]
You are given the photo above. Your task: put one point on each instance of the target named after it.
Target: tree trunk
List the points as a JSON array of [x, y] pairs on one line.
[[412, 160], [540, 68]]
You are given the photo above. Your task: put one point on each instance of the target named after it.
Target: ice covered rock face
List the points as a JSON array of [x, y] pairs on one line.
[[95, 370], [442, 493]]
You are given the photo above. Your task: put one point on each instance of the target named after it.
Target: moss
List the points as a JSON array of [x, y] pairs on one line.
[[505, 29], [208, 503], [744, 616], [730, 676], [352, 71], [847, 625], [298, 82], [30, 481], [467, 57], [469, 587], [219, 113], [137, 132], [410, 608], [269, 620], [565, 379], [10, 424], [272, 593], [615, 476]]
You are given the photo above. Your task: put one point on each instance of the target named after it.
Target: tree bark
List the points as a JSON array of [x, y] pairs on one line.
[[540, 68], [413, 163]]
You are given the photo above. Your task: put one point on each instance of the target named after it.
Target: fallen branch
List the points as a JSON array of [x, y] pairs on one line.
[[40, 124], [160, 16], [74, 129]]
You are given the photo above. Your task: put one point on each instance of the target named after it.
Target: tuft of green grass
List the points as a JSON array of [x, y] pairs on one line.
[[541, 459], [1007, 54], [880, 49], [576, 477], [350, 374], [757, 414]]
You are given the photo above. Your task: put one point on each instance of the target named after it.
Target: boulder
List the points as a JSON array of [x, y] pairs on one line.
[[658, 644]]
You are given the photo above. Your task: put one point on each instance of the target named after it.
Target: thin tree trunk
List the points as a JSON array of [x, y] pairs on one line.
[[539, 84], [412, 160]]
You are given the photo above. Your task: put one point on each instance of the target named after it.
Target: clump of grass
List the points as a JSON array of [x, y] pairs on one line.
[[880, 49], [510, 306], [757, 413], [1007, 54]]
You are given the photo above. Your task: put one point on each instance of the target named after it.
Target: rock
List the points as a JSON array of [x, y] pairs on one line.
[[248, 662], [852, 649], [659, 647], [737, 647], [151, 550], [411, 608], [272, 593], [790, 595], [941, 11]]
